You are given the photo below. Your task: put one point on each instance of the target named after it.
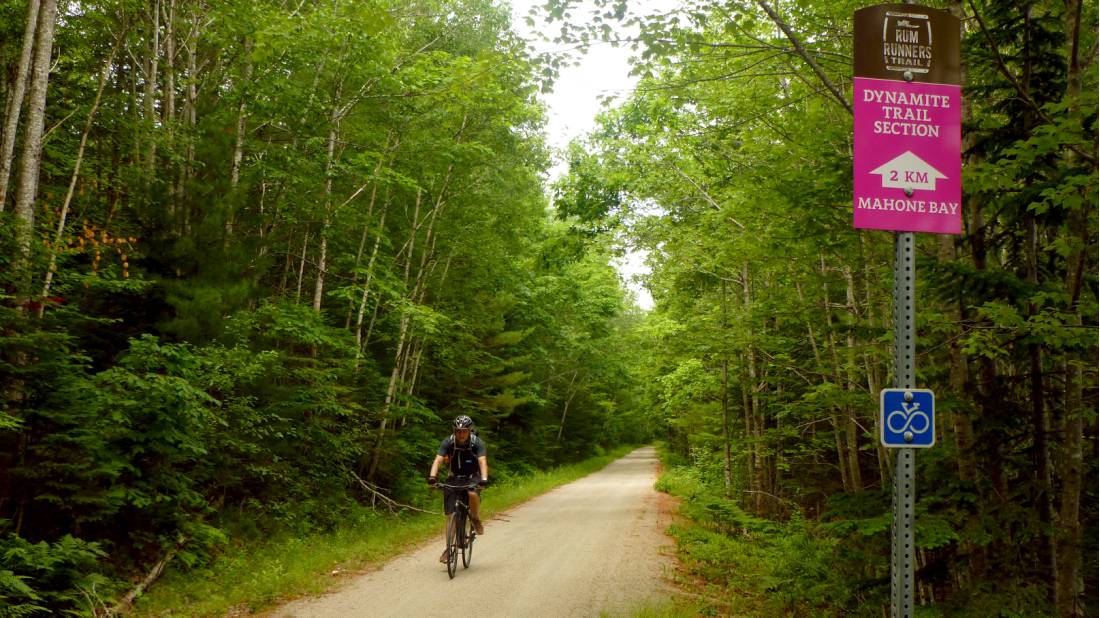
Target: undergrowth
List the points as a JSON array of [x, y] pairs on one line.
[[736, 564]]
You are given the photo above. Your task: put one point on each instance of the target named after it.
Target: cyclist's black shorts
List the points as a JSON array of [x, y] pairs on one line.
[[450, 495]]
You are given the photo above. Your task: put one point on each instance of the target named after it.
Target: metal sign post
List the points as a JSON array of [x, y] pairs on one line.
[[905, 484], [906, 175]]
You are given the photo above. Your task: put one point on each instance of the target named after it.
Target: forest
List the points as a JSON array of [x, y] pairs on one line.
[[256, 254]]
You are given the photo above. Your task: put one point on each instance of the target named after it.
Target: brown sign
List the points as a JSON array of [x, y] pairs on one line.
[[907, 42]]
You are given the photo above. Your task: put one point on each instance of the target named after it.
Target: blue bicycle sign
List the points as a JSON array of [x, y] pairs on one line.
[[907, 417]]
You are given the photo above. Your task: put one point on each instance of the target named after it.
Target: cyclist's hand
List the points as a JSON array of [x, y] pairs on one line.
[[483, 483], [431, 480]]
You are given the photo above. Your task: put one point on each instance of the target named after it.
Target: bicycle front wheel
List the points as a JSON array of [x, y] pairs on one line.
[[453, 532], [468, 546]]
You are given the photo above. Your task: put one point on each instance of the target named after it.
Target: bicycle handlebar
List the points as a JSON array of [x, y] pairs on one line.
[[442, 486]]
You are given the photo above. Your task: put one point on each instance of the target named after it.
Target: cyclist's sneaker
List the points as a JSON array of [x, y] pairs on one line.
[[446, 554], [477, 526]]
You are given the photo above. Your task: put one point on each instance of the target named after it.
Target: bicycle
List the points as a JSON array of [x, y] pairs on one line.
[[460, 528]]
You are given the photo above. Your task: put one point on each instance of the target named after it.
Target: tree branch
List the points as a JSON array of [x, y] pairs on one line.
[[798, 48], [127, 601], [390, 503], [705, 195], [1003, 68]]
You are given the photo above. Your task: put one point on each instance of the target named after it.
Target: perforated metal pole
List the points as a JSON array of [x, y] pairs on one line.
[[905, 486]]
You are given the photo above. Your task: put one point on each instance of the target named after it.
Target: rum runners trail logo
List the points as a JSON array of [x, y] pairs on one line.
[[907, 42]]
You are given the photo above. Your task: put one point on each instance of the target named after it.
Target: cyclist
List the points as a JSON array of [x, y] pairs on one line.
[[468, 464]]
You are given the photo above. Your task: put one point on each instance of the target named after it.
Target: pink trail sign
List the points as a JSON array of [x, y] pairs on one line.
[[907, 167]]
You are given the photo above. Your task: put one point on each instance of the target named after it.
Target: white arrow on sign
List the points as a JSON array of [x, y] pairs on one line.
[[908, 171]]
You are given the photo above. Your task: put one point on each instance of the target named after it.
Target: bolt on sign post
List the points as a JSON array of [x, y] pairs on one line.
[[907, 172]]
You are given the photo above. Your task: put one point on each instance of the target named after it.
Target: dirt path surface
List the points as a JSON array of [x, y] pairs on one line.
[[594, 545]]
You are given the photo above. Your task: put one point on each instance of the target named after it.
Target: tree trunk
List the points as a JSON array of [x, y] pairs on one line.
[[403, 332], [958, 374], [727, 463], [841, 425], [168, 117], [366, 284], [149, 100], [31, 159], [750, 451], [322, 260], [853, 419], [871, 365], [238, 144], [301, 269], [727, 456], [1040, 426], [565, 408], [819, 365], [15, 104], [169, 112], [1069, 513], [359, 252], [753, 425], [75, 176], [190, 113], [1069, 537]]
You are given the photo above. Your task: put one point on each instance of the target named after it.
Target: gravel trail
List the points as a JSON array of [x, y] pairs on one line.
[[594, 545]]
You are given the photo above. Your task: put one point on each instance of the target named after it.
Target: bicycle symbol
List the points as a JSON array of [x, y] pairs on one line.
[[910, 417]]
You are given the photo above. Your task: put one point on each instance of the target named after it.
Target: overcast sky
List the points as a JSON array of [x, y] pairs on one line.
[[575, 102]]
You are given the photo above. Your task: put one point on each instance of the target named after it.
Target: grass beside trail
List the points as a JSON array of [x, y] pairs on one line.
[[724, 554], [254, 576], [732, 563]]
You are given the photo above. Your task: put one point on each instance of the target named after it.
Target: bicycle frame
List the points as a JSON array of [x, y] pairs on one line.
[[459, 539]]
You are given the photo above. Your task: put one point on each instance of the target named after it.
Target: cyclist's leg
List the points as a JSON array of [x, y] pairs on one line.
[[475, 511]]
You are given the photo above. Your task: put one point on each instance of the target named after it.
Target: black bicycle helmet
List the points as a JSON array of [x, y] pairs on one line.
[[463, 422]]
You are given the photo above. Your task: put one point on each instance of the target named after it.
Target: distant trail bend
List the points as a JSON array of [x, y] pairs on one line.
[[594, 545]]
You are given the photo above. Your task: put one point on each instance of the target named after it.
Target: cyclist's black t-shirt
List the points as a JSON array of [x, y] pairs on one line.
[[463, 456]]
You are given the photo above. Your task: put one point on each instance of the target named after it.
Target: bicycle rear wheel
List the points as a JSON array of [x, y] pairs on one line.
[[468, 546], [452, 544]]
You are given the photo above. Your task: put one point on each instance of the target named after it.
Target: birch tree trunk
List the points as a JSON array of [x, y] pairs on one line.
[[149, 100], [322, 259], [362, 246], [238, 144], [727, 459], [871, 366], [754, 426], [302, 269], [565, 408], [412, 297], [852, 426], [359, 342], [76, 175], [168, 112], [845, 481], [840, 425], [190, 116], [15, 104], [403, 332], [31, 159], [746, 408]]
